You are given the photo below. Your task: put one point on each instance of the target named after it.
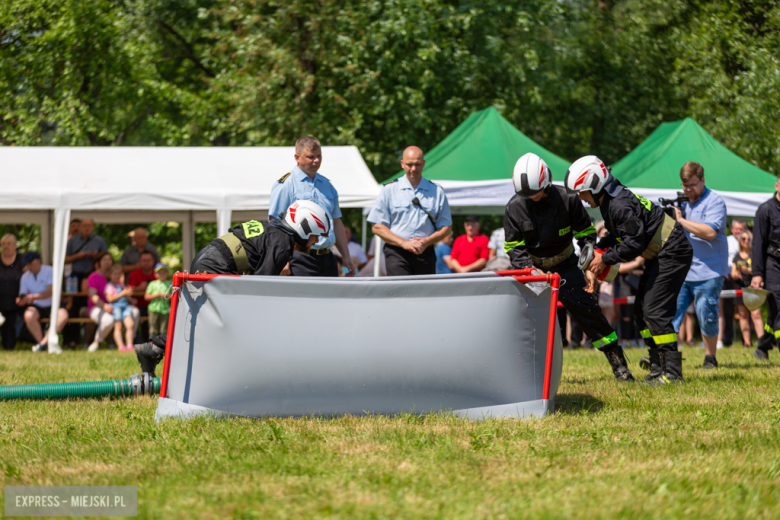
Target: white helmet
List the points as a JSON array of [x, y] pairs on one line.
[[586, 174], [531, 175], [307, 218]]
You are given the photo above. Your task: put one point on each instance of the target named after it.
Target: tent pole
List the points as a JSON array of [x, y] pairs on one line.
[[61, 224], [223, 221], [187, 241], [363, 227], [46, 254], [377, 256]]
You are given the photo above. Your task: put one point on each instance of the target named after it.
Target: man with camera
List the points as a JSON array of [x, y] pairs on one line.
[[411, 215], [705, 226], [766, 267]]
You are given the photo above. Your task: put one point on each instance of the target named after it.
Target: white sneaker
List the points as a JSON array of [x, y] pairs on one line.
[[56, 349], [719, 345], [93, 347]]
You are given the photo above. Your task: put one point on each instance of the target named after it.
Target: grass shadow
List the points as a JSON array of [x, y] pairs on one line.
[[754, 364], [577, 404], [720, 376]]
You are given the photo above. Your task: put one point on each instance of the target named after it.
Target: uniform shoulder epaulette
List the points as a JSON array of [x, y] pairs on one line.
[[284, 177], [391, 182]]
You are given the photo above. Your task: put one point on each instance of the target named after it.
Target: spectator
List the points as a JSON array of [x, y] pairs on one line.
[[355, 250], [35, 292], [686, 328], [411, 215], [10, 277], [131, 258], [726, 309], [742, 273], [83, 249], [100, 311], [75, 225], [469, 251], [159, 305], [498, 259], [121, 299], [443, 248], [705, 227], [139, 280]]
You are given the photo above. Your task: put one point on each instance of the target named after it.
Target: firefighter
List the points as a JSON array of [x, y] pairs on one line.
[[639, 228], [259, 248], [766, 268], [540, 223]]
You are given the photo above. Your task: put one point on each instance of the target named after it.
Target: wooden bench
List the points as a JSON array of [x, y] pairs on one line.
[[86, 320]]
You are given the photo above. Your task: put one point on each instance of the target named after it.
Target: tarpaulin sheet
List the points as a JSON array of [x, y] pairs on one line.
[[285, 346]]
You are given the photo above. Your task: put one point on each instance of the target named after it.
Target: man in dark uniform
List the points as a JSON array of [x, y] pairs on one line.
[[258, 248], [540, 224], [766, 267], [639, 228]]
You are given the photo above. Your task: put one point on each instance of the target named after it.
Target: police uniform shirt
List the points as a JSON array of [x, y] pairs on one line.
[[394, 208], [268, 245], [296, 185]]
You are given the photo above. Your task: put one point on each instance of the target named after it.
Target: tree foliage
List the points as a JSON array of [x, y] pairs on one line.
[[578, 76]]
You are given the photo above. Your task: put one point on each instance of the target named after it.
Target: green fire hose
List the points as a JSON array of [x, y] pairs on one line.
[[136, 384]]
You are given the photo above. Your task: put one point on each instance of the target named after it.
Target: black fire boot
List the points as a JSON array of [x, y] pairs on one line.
[[617, 361], [652, 363], [765, 344], [671, 367], [149, 354], [710, 362]]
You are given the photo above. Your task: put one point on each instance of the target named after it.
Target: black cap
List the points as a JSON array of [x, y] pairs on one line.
[[29, 257], [472, 218]]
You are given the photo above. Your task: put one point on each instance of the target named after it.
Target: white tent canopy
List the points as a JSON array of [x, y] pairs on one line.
[[46, 185]]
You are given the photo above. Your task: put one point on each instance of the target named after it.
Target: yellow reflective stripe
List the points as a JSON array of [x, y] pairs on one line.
[[646, 334], [564, 231], [252, 229], [508, 246], [646, 203], [777, 334], [605, 340], [665, 338], [769, 329], [585, 232]]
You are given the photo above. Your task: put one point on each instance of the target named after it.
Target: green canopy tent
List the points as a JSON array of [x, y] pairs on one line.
[[474, 163], [652, 169]]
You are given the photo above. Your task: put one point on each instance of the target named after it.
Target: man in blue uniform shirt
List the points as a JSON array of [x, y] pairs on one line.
[[304, 183], [411, 215]]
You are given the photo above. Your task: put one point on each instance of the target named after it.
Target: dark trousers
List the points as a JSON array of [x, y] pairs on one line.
[[583, 307], [312, 264], [728, 313], [772, 284], [656, 296], [210, 260], [8, 329], [400, 262]]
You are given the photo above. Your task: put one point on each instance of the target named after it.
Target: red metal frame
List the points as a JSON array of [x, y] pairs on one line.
[[521, 275], [177, 282]]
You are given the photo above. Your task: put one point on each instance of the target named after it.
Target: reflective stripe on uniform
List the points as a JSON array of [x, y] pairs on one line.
[[665, 338], [603, 342], [769, 329], [508, 246], [777, 334], [646, 334], [585, 232], [564, 231]]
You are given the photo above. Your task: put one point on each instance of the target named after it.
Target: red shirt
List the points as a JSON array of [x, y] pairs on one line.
[[466, 253], [138, 277]]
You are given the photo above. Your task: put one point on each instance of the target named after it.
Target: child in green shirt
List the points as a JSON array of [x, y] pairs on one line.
[[159, 306]]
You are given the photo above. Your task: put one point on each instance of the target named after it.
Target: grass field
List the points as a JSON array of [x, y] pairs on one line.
[[709, 448]]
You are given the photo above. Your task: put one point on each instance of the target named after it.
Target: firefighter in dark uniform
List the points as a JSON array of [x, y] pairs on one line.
[[766, 268], [540, 223], [257, 248], [639, 228]]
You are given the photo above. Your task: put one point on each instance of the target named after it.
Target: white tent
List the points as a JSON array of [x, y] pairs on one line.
[[48, 185]]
